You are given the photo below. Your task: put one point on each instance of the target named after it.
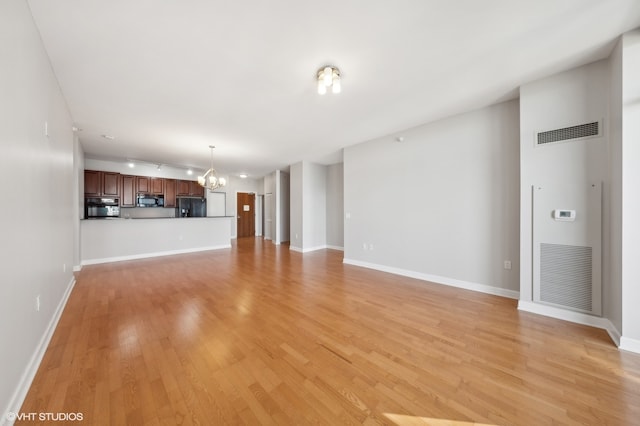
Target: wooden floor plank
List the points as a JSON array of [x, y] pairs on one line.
[[257, 334]]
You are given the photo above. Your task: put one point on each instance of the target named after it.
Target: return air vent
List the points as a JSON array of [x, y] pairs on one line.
[[565, 276], [569, 133]]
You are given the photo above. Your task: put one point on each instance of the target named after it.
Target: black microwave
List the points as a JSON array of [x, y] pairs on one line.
[[148, 200], [101, 207]]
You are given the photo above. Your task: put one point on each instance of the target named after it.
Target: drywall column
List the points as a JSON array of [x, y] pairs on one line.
[[308, 206], [612, 241], [630, 195], [567, 99], [335, 206], [296, 207]]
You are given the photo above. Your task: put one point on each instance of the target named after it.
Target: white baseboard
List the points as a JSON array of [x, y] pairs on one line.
[[155, 254], [577, 317], [628, 344], [77, 268], [17, 399], [482, 288], [307, 250]]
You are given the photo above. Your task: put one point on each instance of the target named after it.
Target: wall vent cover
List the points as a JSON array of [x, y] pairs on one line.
[[565, 275], [569, 133]]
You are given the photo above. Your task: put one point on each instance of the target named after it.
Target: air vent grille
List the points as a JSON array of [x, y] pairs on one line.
[[565, 275], [568, 133]]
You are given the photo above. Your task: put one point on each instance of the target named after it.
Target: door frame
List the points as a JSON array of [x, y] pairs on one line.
[[253, 207]]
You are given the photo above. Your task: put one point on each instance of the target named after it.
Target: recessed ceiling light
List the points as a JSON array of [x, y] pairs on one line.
[[243, 176], [400, 139], [131, 165], [189, 172], [108, 137]]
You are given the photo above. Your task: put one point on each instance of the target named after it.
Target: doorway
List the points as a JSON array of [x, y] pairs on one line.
[[246, 214]]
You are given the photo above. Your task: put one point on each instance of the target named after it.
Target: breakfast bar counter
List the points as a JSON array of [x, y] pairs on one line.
[[112, 240]]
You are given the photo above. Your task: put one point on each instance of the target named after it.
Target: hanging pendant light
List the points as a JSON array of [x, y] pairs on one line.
[[210, 179]]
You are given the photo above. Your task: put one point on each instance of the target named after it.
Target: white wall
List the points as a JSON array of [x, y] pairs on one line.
[[335, 206], [141, 169], [296, 206], [270, 206], [443, 204], [283, 207], [235, 185], [612, 271], [314, 206], [37, 249], [78, 199], [276, 190], [631, 191]]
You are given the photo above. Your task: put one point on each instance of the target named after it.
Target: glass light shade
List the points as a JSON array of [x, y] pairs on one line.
[[201, 181], [213, 180], [222, 181], [336, 88], [327, 76], [322, 89]]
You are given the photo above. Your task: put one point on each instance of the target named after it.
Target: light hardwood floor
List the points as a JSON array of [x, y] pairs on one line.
[[260, 335]]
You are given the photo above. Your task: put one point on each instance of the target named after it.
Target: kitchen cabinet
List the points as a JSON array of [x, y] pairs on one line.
[[195, 190], [189, 188], [169, 192], [128, 191], [182, 187], [142, 185], [101, 184], [150, 185], [111, 184], [157, 185], [92, 183]]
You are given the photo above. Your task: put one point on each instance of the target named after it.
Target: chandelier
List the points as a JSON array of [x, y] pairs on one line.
[[210, 180], [328, 76]]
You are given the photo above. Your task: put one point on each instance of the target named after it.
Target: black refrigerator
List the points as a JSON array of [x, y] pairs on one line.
[[191, 207]]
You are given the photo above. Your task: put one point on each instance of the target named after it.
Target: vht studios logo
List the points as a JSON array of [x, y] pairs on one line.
[[51, 417]]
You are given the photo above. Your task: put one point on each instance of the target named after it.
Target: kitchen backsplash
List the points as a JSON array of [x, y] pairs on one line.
[[146, 212]]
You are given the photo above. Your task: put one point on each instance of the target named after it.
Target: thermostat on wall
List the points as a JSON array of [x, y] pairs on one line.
[[564, 215]]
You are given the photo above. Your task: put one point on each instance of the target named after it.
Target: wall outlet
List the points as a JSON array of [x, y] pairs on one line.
[[46, 129], [38, 303], [370, 246], [64, 267], [507, 264], [365, 246], [348, 215]]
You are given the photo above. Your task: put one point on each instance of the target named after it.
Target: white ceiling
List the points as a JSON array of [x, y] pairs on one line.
[[168, 78]]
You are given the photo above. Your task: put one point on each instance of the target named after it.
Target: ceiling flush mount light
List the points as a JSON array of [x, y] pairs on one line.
[[328, 76], [210, 180]]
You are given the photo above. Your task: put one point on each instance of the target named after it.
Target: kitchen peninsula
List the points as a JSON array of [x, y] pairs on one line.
[[132, 217], [112, 240]]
